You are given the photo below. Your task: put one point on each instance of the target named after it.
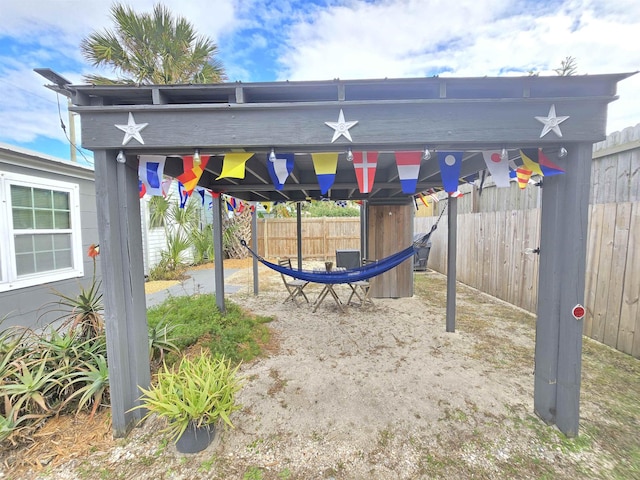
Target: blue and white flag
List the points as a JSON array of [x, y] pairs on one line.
[[150, 172], [450, 165], [184, 194], [201, 191], [280, 168]]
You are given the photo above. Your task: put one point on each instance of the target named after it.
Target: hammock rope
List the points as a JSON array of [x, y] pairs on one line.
[[369, 270]]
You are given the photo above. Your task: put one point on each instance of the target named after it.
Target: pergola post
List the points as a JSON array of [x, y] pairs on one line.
[[218, 253], [299, 233], [254, 244], [118, 209], [563, 247], [452, 238]]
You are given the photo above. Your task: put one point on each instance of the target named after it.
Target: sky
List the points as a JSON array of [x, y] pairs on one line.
[[274, 40]]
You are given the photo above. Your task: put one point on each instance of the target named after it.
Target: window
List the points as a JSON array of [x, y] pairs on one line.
[[40, 231]]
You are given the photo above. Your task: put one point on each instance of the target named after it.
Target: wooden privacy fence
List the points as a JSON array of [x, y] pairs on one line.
[[321, 237], [493, 257], [492, 254], [492, 244]]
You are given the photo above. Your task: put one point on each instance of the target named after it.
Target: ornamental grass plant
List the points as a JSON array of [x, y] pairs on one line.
[[196, 392]]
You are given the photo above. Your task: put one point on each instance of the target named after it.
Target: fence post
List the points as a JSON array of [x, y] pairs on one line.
[[265, 234], [324, 237]]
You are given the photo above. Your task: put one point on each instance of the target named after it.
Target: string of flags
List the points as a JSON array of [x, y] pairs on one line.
[[280, 167]]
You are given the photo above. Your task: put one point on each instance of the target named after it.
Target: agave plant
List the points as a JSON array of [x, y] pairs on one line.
[[94, 378], [29, 384], [10, 424], [162, 341], [83, 313]]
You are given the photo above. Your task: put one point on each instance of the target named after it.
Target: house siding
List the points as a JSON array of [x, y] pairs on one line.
[[36, 306]]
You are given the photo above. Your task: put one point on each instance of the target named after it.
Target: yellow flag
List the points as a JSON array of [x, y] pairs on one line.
[[523, 176], [530, 164], [325, 165], [233, 165]]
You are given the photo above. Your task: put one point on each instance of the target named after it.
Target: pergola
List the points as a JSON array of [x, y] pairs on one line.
[[391, 115]]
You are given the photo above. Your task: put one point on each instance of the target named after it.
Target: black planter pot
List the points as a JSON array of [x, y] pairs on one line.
[[195, 439]]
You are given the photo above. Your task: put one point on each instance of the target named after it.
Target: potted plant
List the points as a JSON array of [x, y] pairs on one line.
[[192, 397]]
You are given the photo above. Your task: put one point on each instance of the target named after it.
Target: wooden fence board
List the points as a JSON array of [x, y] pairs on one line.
[[618, 263], [596, 213], [629, 335], [604, 272], [634, 176]]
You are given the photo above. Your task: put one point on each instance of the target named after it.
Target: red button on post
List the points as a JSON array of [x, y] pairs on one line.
[[578, 312]]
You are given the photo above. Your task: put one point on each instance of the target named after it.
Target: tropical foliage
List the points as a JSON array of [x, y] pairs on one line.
[[58, 371], [197, 392], [188, 241], [155, 48]]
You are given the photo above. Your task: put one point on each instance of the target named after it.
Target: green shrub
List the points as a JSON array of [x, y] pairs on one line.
[[234, 334], [197, 392], [331, 209]]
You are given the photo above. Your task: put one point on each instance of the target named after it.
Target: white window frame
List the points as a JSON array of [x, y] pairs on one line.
[[8, 273]]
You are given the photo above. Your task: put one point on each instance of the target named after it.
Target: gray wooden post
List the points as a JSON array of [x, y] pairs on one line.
[[452, 219], [118, 210], [254, 243], [563, 247], [364, 224], [218, 254], [299, 233]]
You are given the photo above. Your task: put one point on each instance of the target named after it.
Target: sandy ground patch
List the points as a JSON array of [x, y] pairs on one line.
[[373, 393]]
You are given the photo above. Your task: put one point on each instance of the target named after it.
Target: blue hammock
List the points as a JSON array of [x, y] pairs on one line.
[[371, 269]]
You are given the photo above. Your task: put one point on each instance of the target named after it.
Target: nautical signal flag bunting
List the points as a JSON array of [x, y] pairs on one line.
[[408, 164], [192, 172], [365, 164], [280, 167], [150, 172], [536, 161], [498, 166], [325, 165], [450, 166], [233, 165]]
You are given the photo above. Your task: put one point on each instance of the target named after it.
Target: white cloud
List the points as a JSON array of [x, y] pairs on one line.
[[415, 38], [343, 39]]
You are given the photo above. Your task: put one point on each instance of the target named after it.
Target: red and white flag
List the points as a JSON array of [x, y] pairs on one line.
[[365, 164], [408, 164], [498, 166]]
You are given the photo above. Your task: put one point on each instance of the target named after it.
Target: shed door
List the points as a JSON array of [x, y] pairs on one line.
[[391, 230]]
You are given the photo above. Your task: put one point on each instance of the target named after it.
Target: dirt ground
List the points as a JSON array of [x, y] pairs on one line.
[[373, 393]]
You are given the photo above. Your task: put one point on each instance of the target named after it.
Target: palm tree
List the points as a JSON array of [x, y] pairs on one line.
[[152, 49]]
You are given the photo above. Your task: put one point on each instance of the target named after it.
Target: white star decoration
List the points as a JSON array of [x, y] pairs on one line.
[[132, 130], [551, 122], [341, 127]]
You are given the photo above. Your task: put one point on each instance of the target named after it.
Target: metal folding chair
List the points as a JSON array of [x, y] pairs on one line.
[[294, 286]]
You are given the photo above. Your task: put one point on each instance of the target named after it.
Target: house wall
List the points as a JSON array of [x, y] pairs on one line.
[[35, 306], [154, 240]]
